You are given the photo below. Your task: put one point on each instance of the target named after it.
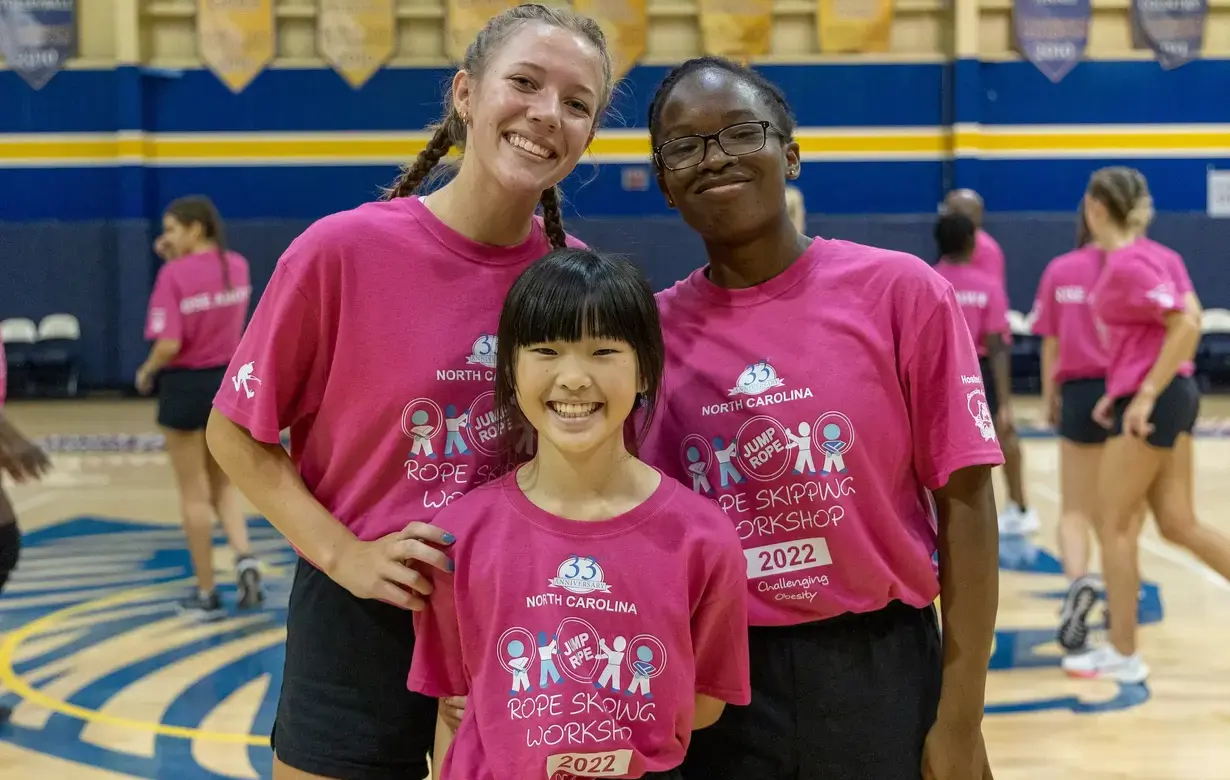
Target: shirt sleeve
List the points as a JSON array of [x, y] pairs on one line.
[[1044, 314], [997, 312], [163, 320], [280, 370], [1135, 289], [437, 668], [1178, 274], [950, 422], [719, 625]]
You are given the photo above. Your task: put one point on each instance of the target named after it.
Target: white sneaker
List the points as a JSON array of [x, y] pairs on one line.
[[1105, 663], [1015, 522], [1074, 618]]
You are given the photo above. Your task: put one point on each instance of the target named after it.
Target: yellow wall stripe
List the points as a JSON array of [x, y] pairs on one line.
[[628, 146]]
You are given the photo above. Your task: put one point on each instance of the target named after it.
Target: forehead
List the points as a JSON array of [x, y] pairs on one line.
[[708, 100], [553, 53]]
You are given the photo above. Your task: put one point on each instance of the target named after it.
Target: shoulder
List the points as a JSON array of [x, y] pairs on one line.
[[987, 241], [353, 233], [475, 510], [898, 278], [706, 526]]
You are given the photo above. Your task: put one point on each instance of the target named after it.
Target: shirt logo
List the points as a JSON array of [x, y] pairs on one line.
[[756, 379], [243, 377], [482, 353], [976, 403], [580, 574]]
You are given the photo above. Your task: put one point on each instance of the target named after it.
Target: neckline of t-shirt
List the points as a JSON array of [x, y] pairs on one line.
[[592, 528], [534, 246], [764, 292]]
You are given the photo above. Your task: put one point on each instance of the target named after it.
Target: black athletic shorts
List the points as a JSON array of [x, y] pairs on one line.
[[1174, 412], [10, 547], [988, 386], [186, 396], [850, 698], [345, 711], [1077, 398]]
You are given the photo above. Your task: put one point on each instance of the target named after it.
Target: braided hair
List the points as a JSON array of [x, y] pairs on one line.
[[451, 130], [200, 209]]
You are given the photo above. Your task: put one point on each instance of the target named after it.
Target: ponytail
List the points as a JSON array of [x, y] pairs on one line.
[[553, 218], [450, 132]]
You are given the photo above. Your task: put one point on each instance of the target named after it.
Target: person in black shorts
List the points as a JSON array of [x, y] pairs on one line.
[[196, 317], [22, 461], [1143, 304]]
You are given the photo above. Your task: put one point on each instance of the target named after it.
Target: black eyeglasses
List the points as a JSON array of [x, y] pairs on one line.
[[735, 140]]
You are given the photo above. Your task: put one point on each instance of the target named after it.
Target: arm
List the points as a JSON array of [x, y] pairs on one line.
[[1182, 339], [444, 739], [1050, 395], [1001, 370], [969, 591], [162, 353], [708, 710]]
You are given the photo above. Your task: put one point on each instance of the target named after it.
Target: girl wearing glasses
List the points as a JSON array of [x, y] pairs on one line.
[[830, 397]]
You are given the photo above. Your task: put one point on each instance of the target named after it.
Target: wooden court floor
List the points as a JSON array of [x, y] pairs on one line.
[[108, 682]]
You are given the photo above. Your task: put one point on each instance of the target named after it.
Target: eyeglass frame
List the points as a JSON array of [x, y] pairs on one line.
[[765, 127]]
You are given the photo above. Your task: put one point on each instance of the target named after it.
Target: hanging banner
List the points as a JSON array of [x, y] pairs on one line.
[[738, 29], [236, 39], [851, 26], [465, 19], [1173, 29], [356, 38], [37, 37], [1052, 34], [626, 26]]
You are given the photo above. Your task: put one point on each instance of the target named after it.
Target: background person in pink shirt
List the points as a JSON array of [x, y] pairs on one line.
[[597, 614], [375, 344], [827, 396], [196, 317], [1150, 406]]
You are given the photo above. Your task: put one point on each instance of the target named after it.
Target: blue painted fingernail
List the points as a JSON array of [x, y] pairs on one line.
[[449, 538]]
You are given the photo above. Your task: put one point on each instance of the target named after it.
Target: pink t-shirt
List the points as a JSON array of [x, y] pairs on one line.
[[1061, 310], [982, 301], [988, 257], [374, 343], [192, 305], [1135, 291], [582, 645], [817, 409]]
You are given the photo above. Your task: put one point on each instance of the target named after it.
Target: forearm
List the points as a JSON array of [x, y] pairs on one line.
[[1001, 368], [267, 476], [160, 355], [1050, 355], [969, 589], [707, 711], [1182, 339], [444, 740]]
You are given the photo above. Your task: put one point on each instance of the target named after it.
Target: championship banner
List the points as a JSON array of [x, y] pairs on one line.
[[465, 19], [1052, 34], [356, 38], [853, 26], [625, 23], [37, 37], [738, 29], [236, 39], [1173, 29]]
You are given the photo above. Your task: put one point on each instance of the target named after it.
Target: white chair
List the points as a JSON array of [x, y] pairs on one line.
[[59, 326], [1018, 323], [19, 336], [18, 330]]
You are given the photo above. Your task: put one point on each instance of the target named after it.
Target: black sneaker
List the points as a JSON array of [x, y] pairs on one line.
[[203, 607], [1074, 619], [250, 593]]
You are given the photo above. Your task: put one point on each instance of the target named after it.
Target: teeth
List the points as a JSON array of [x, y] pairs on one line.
[[574, 410], [529, 146]]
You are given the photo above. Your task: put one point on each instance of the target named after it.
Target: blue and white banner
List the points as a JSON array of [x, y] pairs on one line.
[[1173, 29], [1052, 34], [37, 37]]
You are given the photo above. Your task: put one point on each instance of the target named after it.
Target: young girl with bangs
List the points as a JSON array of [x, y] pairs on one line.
[[597, 613]]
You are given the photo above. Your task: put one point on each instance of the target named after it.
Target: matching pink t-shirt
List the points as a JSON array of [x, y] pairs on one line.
[[989, 258], [1062, 311], [817, 409], [1139, 285], [375, 344], [982, 299], [192, 304], [581, 646]]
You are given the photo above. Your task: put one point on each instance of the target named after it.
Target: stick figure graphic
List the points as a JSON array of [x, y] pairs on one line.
[[421, 433], [642, 669], [453, 424]]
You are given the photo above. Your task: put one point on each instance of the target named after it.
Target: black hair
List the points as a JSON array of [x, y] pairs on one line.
[[200, 209], [568, 295], [769, 92], [954, 235]]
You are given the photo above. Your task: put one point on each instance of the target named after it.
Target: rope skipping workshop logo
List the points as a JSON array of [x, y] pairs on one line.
[[102, 670]]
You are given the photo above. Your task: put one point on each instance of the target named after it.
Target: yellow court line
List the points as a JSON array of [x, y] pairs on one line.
[[18, 685]]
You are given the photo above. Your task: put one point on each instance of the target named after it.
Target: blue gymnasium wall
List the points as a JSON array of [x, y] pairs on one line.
[[75, 237]]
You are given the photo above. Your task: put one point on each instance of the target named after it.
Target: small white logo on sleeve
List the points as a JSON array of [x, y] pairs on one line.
[[158, 320], [976, 402], [245, 376]]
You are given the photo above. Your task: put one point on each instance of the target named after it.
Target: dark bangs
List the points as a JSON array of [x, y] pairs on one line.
[[573, 294]]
